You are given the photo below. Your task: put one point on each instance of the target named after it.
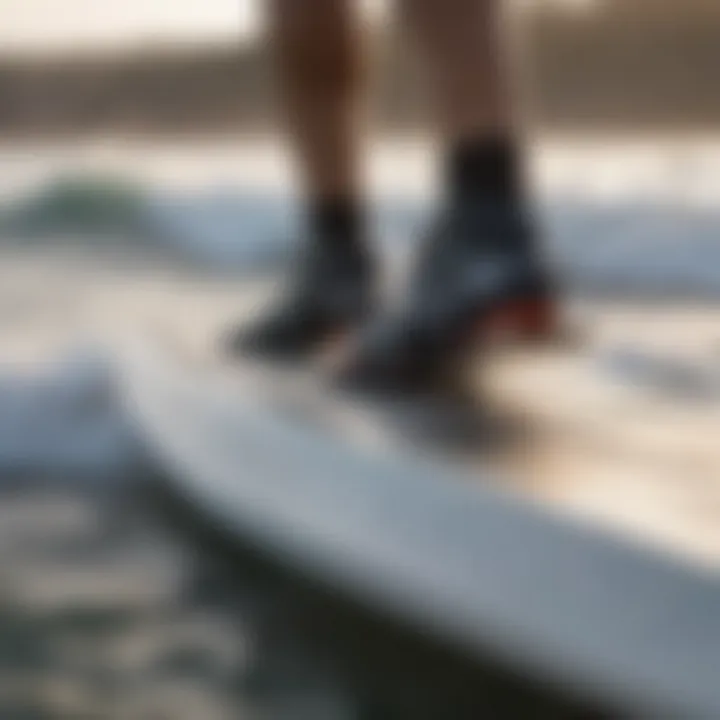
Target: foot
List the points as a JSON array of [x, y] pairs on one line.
[[329, 292], [478, 278]]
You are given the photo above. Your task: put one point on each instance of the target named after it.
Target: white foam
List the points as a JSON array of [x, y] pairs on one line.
[[63, 416]]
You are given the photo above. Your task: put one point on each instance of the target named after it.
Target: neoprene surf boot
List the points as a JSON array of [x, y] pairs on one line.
[[478, 277], [328, 292]]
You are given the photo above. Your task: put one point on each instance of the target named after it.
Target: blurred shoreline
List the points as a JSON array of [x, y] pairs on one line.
[[615, 69]]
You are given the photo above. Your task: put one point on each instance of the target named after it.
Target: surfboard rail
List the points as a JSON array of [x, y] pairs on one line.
[[570, 608]]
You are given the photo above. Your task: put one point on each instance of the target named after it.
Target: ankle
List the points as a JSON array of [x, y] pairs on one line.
[[483, 167], [337, 223]]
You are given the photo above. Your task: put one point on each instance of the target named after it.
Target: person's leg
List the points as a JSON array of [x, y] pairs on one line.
[[319, 67], [461, 47], [478, 273], [317, 53], [461, 43]]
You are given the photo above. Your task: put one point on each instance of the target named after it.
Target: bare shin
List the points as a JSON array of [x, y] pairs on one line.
[[461, 41], [319, 66]]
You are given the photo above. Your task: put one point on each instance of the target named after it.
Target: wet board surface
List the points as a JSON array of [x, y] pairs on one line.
[[445, 549], [619, 430], [624, 431]]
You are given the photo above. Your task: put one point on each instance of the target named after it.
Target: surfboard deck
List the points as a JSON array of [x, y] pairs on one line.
[[619, 430], [439, 533]]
